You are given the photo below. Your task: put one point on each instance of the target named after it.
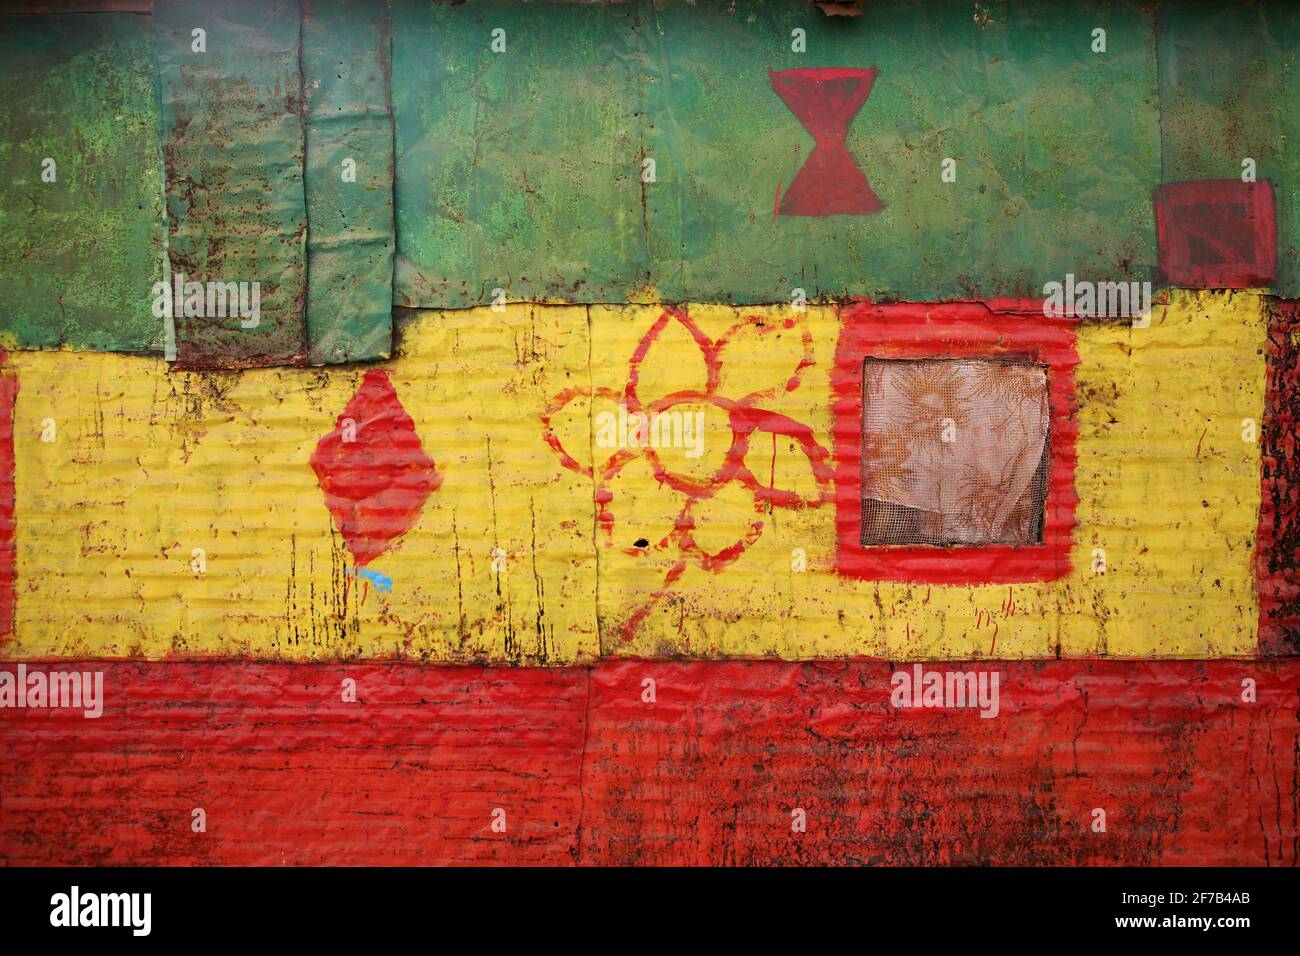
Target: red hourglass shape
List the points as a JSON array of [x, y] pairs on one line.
[[825, 99]]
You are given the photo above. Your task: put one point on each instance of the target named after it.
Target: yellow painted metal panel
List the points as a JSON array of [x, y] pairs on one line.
[[148, 465], [1167, 487]]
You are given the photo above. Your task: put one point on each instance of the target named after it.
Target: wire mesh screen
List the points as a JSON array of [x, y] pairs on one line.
[[954, 451]]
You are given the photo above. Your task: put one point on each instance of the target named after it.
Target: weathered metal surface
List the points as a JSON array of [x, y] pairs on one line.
[[252, 539], [8, 550], [289, 774], [522, 170], [232, 141], [80, 253], [498, 174], [504, 524], [493, 562], [1186, 772], [1229, 92], [517, 170], [586, 771], [346, 67], [1279, 512], [1159, 417]]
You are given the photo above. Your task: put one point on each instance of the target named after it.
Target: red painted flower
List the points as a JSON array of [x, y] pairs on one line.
[[746, 421]]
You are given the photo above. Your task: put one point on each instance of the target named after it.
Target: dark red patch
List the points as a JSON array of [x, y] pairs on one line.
[[376, 485], [1217, 233], [958, 330], [1277, 555], [825, 100]]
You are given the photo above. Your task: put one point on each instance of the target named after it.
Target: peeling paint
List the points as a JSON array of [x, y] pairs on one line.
[[232, 143]]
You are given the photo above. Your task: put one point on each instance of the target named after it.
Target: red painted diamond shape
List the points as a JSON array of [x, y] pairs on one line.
[[373, 470]]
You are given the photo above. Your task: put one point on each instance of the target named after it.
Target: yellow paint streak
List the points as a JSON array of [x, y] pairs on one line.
[[149, 464]]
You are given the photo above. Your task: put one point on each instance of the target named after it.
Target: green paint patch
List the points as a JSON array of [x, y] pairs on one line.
[[522, 169], [517, 170], [513, 157], [349, 181], [232, 140], [80, 254]]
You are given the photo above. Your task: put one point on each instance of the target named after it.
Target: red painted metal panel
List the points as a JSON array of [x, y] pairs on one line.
[[1186, 771], [287, 773], [586, 770]]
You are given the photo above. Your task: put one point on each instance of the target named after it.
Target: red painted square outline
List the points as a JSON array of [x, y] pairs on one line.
[[1175, 253], [954, 330]]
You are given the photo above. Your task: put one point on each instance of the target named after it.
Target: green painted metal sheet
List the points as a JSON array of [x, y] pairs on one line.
[[233, 143], [520, 132], [79, 255], [349, 180], [1055, 148], [1230, 91], [521, 169]]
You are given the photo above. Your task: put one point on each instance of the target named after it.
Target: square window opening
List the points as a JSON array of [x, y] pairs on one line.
[[955, 452]]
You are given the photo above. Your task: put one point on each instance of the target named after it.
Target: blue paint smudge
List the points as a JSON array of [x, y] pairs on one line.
[[382, 581]]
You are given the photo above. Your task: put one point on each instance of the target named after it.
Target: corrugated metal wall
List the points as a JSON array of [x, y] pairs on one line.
[[363, 566]]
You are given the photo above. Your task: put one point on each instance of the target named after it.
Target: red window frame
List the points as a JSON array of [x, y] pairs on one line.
[[998, 327]]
